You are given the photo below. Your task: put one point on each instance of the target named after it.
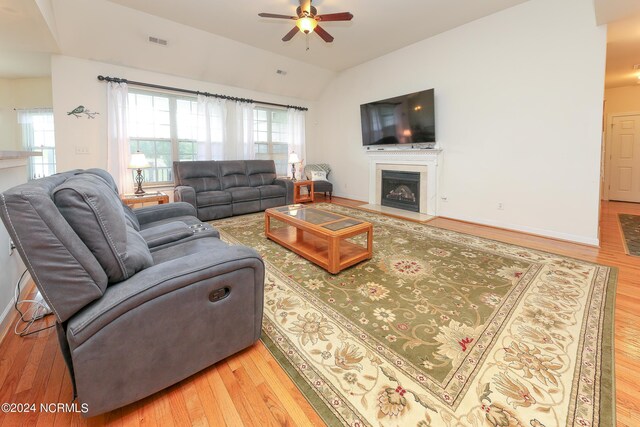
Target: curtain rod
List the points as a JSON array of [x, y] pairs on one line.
[[195, 92]]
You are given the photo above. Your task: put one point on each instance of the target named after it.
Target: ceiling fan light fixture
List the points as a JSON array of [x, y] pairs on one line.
[[306, 24]]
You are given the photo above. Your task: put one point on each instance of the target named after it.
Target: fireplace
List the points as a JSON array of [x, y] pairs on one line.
[[401, 190]]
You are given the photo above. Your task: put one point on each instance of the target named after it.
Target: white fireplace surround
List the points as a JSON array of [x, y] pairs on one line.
[[423, 161]]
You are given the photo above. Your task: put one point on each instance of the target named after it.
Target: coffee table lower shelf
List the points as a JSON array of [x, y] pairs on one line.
[[331, 253]]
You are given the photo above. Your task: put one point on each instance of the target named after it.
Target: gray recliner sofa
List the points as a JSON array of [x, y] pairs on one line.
[[142, 298], [219, 189]]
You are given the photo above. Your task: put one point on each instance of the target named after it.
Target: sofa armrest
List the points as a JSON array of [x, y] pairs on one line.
[[184, 193], [288, 185], [162, 279], [149, 214]]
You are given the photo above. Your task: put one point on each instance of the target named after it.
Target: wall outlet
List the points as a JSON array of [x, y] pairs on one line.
[[82, 149], [500, 206]]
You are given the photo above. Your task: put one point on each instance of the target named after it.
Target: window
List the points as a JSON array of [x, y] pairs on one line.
[[38, 135], [270, 134], [165, 128]]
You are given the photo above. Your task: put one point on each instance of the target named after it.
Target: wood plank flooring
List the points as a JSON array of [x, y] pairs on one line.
[[250, 388]]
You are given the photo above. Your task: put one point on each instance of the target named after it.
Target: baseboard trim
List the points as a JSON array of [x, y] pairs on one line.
[[565, 237], [6, 319]]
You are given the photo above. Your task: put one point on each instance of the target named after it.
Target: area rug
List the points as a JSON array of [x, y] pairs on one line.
[[630, 226], [440, 329]]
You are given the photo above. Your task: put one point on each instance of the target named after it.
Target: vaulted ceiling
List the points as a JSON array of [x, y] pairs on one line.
[[224, 41], [378, 26]]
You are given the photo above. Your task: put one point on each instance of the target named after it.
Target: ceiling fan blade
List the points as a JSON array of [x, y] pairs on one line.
[[290, 34], [323, 34], [275, 15], [342, 16]]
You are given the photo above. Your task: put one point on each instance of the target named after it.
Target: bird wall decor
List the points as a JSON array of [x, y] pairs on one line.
[[79, 110]]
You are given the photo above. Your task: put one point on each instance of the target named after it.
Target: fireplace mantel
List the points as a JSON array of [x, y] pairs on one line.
[[428, 158]]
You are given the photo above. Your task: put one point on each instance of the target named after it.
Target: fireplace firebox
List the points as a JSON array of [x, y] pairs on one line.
[[401, 190]]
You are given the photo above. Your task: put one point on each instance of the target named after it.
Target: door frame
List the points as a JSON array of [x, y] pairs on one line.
[[608, 145]]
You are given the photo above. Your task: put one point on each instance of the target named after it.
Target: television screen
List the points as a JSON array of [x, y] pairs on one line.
[[406, 119]]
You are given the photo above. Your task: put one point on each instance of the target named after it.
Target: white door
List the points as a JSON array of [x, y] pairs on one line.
[[624, 184]]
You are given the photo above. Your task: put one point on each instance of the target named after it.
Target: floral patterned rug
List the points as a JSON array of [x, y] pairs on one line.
[[440, 329], [630, 226]]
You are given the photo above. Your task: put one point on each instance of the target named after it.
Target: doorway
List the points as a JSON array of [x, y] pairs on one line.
[[622, 182]]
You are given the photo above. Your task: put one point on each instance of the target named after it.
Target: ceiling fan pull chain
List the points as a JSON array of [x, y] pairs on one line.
[[307, 39]]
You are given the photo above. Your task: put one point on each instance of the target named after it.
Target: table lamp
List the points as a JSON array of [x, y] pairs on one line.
[[138, 161], [293, 159]]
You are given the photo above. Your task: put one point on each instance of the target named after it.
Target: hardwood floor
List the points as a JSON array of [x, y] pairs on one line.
[[251, 389]]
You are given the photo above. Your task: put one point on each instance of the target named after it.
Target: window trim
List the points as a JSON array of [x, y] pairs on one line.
[[173, 130]]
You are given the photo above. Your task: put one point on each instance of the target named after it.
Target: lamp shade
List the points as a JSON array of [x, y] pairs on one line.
[[306, 24], [138, 161], [293, 157]]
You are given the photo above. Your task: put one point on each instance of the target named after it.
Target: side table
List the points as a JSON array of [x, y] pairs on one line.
[[302, 198], [133, 199]]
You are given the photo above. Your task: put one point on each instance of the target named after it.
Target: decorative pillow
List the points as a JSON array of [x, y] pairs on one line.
[[96, 214], [318, 176]]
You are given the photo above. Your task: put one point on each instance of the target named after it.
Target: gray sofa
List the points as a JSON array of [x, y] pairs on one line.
[[142, 298], [219, 189]]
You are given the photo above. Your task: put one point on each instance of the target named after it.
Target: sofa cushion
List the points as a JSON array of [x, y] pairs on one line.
[[131, 218], [203, 183], [244, 194], [187, 219], [322, 186], [166, 233], [96, 214], [213, 198], [233, 174], [260, 172], [271, 191], [201, 175]]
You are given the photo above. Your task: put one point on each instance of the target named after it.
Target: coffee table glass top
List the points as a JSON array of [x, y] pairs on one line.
[[339, 225], [315, 216]]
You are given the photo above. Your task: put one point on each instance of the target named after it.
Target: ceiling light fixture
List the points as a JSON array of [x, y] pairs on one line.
[[306, 24]]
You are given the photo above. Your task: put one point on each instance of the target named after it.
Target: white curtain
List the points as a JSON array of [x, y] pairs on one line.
[[25, 119], [212, 119], [240, 142], [296, 136], [118, 151]]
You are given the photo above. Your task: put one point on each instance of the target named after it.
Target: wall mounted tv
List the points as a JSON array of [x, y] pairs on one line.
[[406, 119]]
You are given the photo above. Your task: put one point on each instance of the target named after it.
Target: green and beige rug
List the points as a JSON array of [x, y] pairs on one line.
[[440, 329], [630, 226]]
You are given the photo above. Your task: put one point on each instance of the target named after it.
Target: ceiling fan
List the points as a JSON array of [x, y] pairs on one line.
[[308, 19]]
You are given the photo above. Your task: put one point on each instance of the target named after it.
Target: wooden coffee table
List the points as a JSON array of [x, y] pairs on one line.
[[319, 236]]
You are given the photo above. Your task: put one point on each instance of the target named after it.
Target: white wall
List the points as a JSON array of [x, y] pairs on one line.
[[8, 140], [20, 93], [518, 115], [75, 83], [622, 100]]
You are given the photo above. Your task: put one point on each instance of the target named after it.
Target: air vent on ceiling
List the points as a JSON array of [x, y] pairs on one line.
[[157, 40]]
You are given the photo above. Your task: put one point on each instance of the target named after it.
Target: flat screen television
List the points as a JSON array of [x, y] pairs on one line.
[[406, 119]]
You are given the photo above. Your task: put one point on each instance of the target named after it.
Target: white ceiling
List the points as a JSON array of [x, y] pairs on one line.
[[224, 41], [623, 52], [378, 26]]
